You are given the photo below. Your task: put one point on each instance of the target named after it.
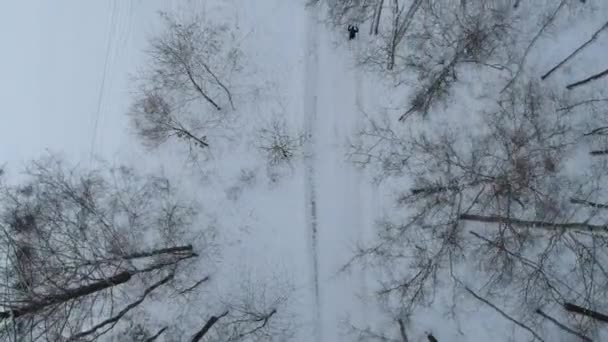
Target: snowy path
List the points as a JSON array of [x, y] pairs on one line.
[[338, 209], [310, 112]]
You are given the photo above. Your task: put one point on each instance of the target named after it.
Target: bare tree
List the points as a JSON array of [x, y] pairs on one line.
[[84, 249], [428, 27], [398, 16], [185, 90], [156, 123], [506, 175], [448, 40], [427, 44], [344, 12], [86, 253], [279, 145], [498, 190], [256, 310]]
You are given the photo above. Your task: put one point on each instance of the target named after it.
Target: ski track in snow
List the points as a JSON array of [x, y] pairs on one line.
[[310, 113], [364, 215], [335, 191]]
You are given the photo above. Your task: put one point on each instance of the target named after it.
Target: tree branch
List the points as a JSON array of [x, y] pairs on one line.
[[548, 22], [585, 312], [199, 88], [204, 279], [598, 152], [400, 27], [252, 317], [188, 69], [220, 83], [373, 28], [502, 313], [589, 41], [117, 317], [201, 141], [599, 130], [169, 250], [402, 330], [153, 338], [434, 189], [587, 80], [533, 224], [72, 294], [528, 263], [205, 329], [69, 294], [431, 338], [562, 326], [588, 203]]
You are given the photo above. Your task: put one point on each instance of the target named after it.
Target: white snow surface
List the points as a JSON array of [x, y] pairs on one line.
[[300, 229]]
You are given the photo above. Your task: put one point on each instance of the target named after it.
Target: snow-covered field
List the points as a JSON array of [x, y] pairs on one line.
[[67, 86]]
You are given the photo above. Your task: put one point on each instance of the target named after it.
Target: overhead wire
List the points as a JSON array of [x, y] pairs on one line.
[[101, 92], [123, 28]]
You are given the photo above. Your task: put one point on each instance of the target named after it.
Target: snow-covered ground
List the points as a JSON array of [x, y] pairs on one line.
[[69, 91]]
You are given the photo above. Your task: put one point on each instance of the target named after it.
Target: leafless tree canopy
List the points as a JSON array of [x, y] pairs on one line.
[[504, 193], [185, 92], [498, 196], [83, 249], [84, 253], [279, 145]]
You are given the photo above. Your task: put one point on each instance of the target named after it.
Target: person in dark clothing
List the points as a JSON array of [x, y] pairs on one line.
[[352, 31]]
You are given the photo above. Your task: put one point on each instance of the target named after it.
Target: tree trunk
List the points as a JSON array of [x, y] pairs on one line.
[[533, 224], [69, 294], [585, 312]]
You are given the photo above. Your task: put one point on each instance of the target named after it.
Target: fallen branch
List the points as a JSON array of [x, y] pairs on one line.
[[205, 329], [587, 80], [575, 52], [585, 312], [562, 326]]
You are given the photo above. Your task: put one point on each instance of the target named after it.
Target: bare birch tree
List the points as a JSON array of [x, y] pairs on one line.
[[83, 249], [500, 198], [87, 254], [186, 90]]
